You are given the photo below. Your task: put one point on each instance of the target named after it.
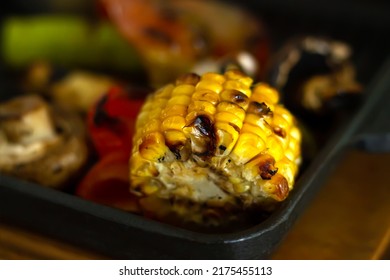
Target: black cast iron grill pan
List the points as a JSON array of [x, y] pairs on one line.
[[121, 235]]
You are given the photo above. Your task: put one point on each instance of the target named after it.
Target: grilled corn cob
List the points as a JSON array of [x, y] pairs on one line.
[[208, 148]]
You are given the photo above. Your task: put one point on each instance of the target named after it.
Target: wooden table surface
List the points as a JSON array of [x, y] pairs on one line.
[[348, 219]]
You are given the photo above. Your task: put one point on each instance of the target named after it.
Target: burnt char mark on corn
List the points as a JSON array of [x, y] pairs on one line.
[[235, 96], [189, 79], [267, 168], [260, 109], [281, 187], [280, 131], [206, 127], [175, 149], [236, 128], [222, 148]]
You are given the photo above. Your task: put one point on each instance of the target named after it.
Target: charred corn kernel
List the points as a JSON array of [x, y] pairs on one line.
[[277, 187], [152, 146], [188, 79], [263, 165], [206, 95], [236, 97], [208, 144], [237, 85], [227, 136], [265, 101], [203, 106]]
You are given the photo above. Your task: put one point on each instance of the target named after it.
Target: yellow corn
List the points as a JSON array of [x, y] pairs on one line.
[[215, 141]]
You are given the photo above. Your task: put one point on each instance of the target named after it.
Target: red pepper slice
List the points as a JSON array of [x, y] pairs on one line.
[[111, 121], [107, 182]]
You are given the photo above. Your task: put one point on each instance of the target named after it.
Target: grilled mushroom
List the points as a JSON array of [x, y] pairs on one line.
[[38, 145], [315, 75]]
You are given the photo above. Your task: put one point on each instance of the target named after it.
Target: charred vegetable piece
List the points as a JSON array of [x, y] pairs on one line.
[[208, 148], [107, 182], [315, 74], [111, 120], [111, 123], [173, 35], [39, 145]]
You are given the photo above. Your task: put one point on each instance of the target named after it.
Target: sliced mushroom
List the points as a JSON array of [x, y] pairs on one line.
[[39, 145]]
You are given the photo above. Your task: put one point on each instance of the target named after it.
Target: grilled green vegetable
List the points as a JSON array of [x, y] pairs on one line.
[[68, 41]]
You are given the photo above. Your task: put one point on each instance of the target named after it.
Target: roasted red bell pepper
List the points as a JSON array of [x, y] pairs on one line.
[[111, 121], [111, 126], [107, 182]]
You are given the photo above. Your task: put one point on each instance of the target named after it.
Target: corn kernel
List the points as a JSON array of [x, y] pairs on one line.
[[227, 137], [174, 110], [241, 77], [183, 90], [179, 100], [206, 95], [237, 85], [165, 92], [228, 118], [218, 78], [263, 90], [209, 85], [173, 122], [152, 146], [247, 147], [233, 108], [275, 147]]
